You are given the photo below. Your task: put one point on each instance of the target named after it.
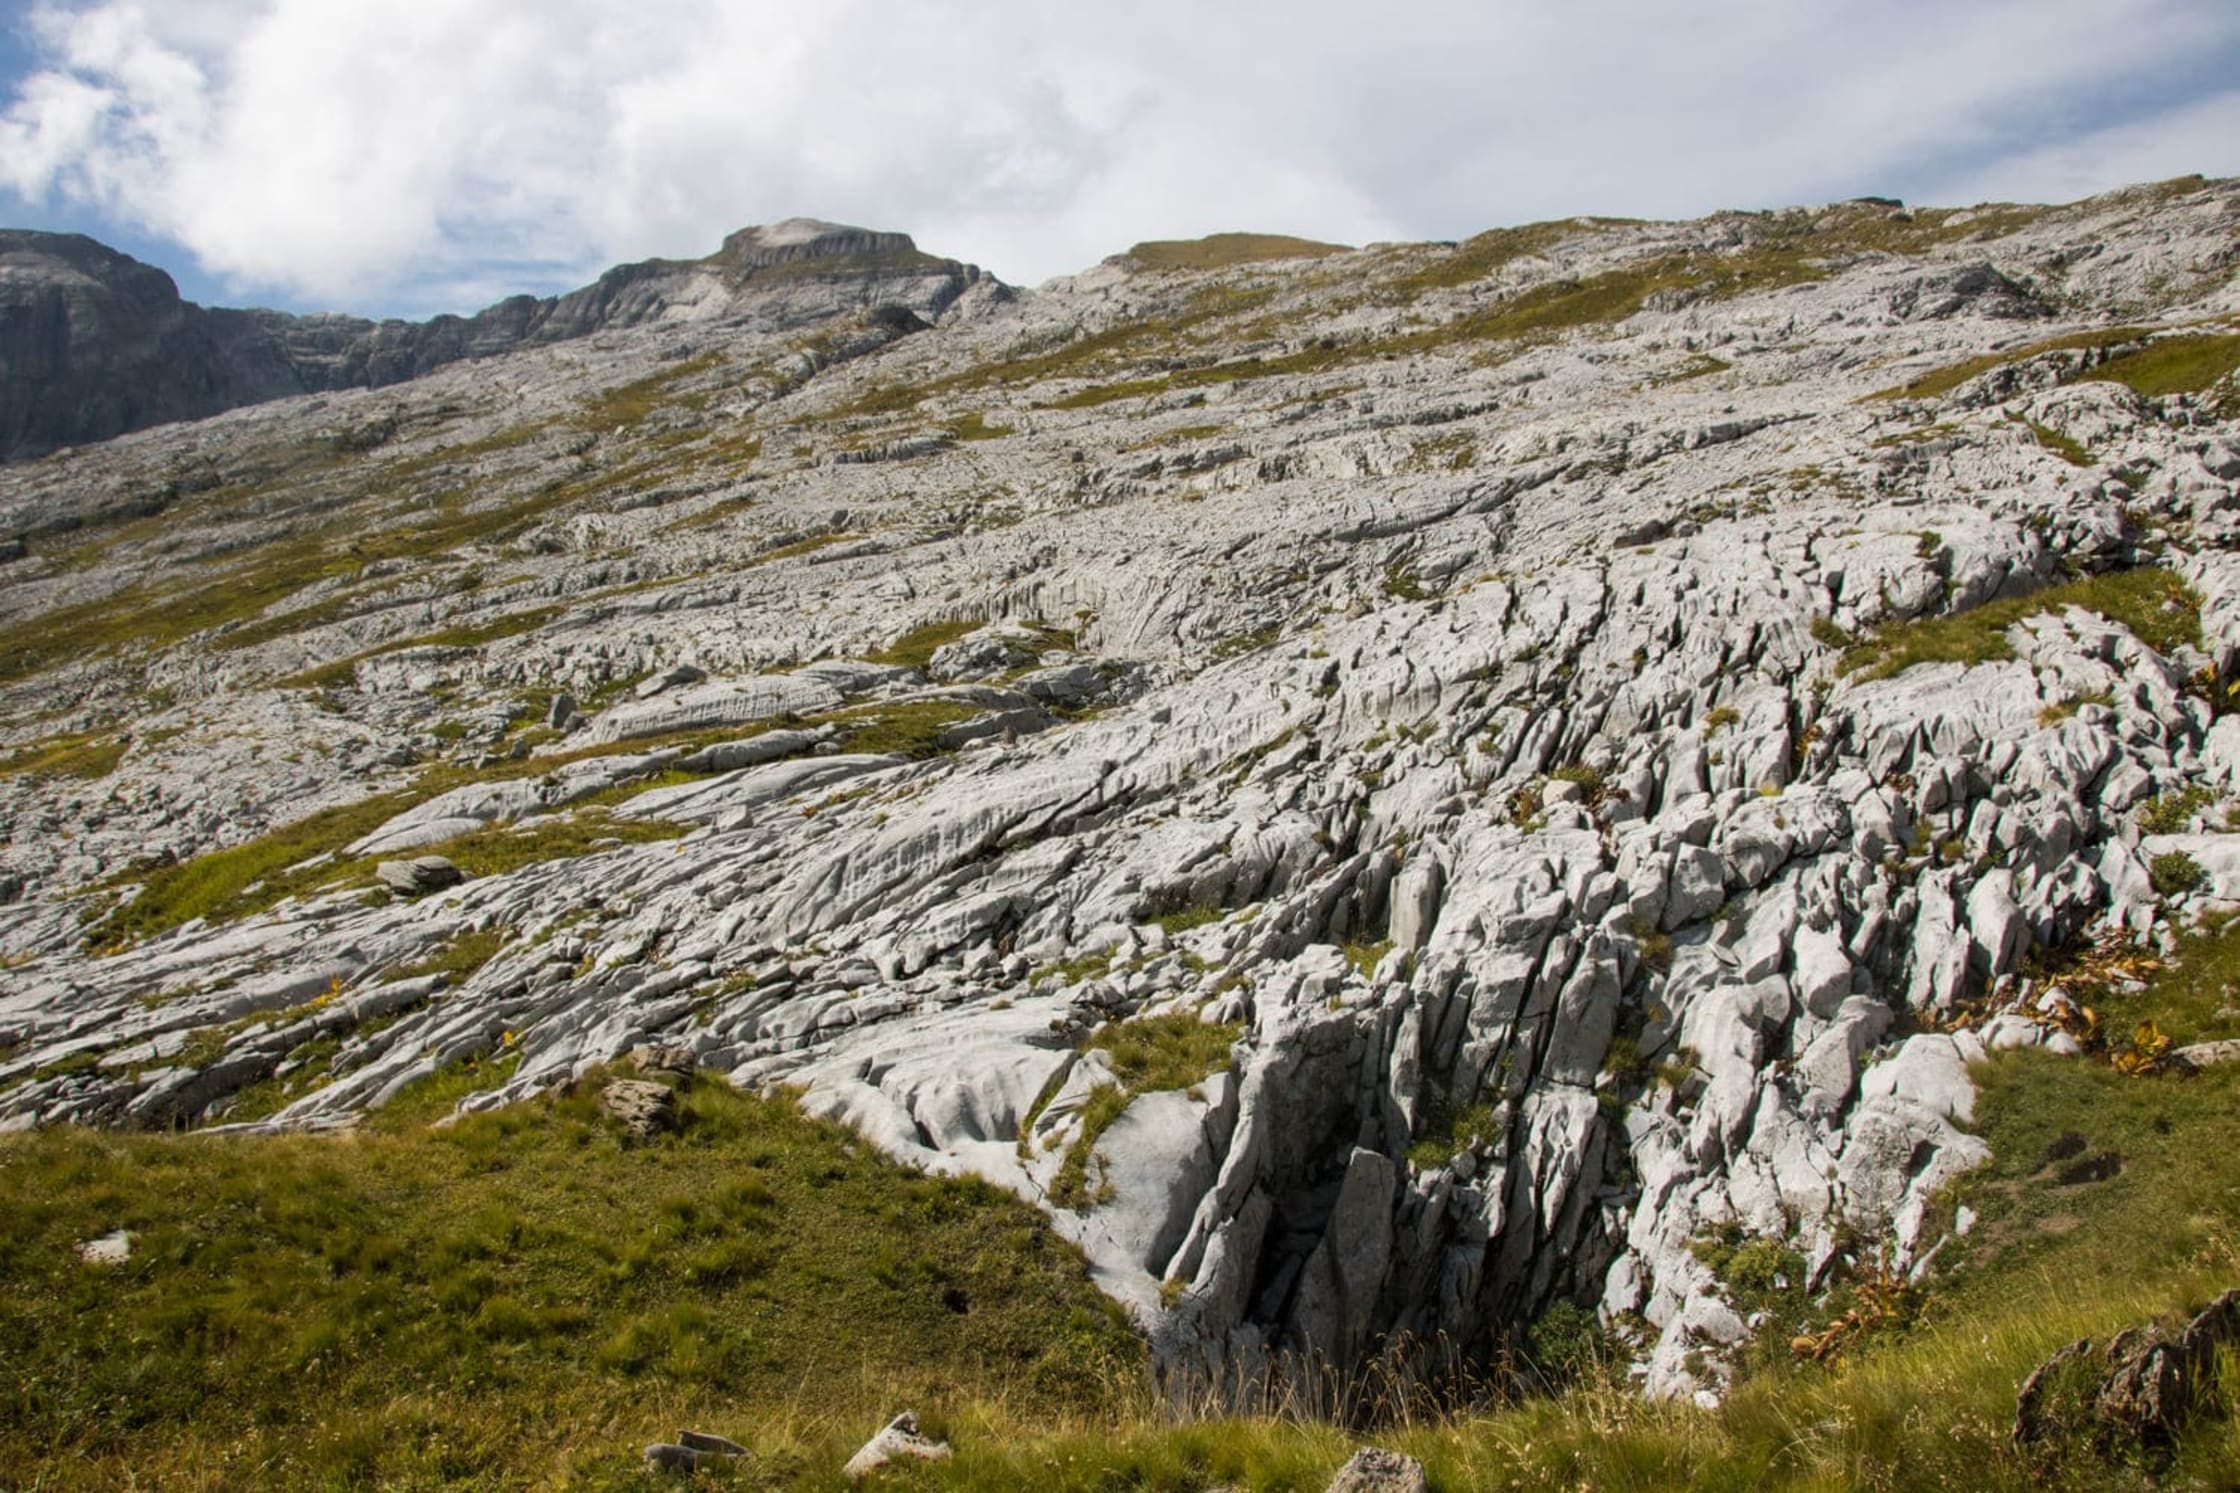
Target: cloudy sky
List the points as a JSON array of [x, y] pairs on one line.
[[410, 156]]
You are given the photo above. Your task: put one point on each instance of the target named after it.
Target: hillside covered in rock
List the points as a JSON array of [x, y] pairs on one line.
[[94, 343], [1387, 790]]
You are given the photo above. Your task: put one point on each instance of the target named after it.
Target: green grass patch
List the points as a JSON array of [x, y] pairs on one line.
[[1166, 1052], [86, 755], [1445, 1130], [502, 848], [798, 548], [344, 672], [1183, 919], [2074, 452], [2169, 813], [629, 405], [246, 878], [975, 427], [459, 957], [915, 648], [523, 1299], [1366, 954], [1944, 380], [1477, 257], [2155, 604], [2173, 365], [1237, 645], [912, 730], [1221, 250], [1098, 394]]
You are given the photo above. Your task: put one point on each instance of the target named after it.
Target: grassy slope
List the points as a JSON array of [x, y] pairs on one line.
[[521, 1298]]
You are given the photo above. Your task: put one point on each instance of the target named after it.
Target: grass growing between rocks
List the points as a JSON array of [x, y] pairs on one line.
[[2155, 604], [521, 1299], [1221, 250], [2168, 365], [2173, 365], [343, 672], [1157, 1053], [86, 755], [509, 847]]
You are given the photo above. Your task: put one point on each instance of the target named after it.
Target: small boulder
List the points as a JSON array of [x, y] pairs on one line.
[[1375, 1470], [113, 1248], [900, 1440], [693, 1450], [426, 873], [667, 1456], [563, 710], [664, 1060], [2135, 1396], [644, 1109]]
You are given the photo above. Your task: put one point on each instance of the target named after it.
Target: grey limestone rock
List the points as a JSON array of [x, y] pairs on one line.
[[898, 1441], [427, 873], [1372, 1469], [1471, 740]]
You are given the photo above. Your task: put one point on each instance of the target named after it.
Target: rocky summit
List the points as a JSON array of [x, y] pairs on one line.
[[1387, 790]]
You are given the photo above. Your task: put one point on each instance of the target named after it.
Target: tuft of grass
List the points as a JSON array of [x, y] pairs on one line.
[[1444, 1131], [459, 957], [1402, 584], [975, 427], [2169, 813], [1366, 954], [1944, 380], [2074, 452], [245, 878], [2174, 873], [2159, 608], [794, 549], [629, 405], [1183, 919], [1236, 645], [1166, 1052], [501, 848], [911, 730]]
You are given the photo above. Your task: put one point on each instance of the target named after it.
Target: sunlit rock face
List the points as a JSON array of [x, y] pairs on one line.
[[1387, 789]]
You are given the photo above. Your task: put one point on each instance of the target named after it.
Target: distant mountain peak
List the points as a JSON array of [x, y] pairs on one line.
[[94, 343]]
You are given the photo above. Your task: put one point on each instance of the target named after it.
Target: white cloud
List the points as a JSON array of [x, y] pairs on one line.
[[411, 155]]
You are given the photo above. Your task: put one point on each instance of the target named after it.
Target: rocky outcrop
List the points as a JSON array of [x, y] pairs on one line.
[[94, 344], [1379, 828], [2134, 1396]]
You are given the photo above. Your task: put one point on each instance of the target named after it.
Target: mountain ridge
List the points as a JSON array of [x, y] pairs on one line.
[[94, 343]]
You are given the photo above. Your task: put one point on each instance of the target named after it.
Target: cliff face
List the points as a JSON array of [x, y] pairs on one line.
[[94, 344]]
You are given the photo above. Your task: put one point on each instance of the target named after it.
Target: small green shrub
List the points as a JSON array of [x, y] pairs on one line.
[[2169, 813], [2175, 873]]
